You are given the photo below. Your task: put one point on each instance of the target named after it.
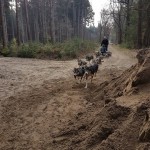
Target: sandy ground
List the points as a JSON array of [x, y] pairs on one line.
[[40, 98], [18, 75]]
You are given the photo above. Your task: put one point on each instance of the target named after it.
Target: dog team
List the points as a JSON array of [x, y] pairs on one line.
[[88, 67]]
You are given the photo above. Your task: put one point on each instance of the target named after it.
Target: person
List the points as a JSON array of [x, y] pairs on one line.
[[105, 43]]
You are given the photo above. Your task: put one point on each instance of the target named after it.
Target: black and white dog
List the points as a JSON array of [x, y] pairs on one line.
[[86, 71], [79, 73], [90, 71]]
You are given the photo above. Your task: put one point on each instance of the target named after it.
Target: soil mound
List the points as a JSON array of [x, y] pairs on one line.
[[131, 80], [109, 125], [91, 132]]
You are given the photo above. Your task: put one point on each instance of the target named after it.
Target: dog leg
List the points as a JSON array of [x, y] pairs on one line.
[[86, 77], [76, 79], [86, 85], [91, 78], [80, 79]]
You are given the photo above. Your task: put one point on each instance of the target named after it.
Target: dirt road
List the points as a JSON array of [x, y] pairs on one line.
[[39, 100], [18, 75]]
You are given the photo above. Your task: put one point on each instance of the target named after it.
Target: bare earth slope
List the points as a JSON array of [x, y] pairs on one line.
[[43, 108]]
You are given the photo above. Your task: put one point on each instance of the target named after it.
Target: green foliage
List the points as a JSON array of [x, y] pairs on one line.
[[11, 50], [66, 50], [131, 32], [26, 51], [75, 47], [13, 47], [5, 52]]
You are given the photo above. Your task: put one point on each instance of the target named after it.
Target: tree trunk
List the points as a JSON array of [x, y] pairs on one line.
[[146, 39], [22, 35], [139, 33], [100, 33], [17, 23], [79, 13], [52, 2], [27, 20], [36, 28], [81, 21], [4, 25], [119, 29], [12, 25], [74, 20], [120, 36], [67, 21], [127, 19]]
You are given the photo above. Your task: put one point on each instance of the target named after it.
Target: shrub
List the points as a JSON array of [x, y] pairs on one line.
[[67, 49], [13, 48], [25, 51], [74, 47], [5, 52]]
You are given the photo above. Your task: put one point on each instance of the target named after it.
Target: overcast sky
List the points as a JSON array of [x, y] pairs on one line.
[[97, 6]]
